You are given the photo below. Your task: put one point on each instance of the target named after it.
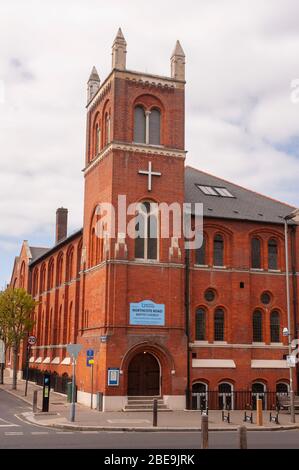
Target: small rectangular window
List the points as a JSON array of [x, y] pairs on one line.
[[223, 192], [207, 190]]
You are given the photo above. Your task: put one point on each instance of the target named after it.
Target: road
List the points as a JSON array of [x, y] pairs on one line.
[[18, 434]]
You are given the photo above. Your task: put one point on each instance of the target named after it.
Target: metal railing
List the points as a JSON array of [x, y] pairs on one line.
[[58, 382], [236, 400]]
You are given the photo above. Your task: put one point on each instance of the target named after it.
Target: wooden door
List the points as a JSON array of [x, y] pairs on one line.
[[144, 375]]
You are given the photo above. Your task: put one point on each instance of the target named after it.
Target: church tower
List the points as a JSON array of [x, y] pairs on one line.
[[132, 312]]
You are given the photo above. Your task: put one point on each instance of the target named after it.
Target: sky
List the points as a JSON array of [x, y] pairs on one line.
[[242, 97]]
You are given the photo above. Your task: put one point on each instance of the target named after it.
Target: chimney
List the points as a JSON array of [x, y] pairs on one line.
[[61, 224]]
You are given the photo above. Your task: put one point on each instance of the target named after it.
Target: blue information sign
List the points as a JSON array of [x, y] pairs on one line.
[[113, 376], [147, 313], [89, 355]]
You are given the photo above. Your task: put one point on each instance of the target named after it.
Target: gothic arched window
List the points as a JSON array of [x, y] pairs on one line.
[[139, 125], [275, 327], [69, 264], [35, 282], [51, 274], [43, 278], [218, 254], [257, 327], [107, 129], [200, 253], [59, 270], [154, 127], [146, 231], [97, 139], [200, 325], [256, 253], [272, 254], [219, 325]]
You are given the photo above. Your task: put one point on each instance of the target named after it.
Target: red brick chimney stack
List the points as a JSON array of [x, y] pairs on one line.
[[61, 224]]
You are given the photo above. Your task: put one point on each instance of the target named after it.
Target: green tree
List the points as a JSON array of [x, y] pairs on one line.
[[16, 322]]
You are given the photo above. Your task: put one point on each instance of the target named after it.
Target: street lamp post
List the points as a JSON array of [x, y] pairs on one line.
[[294, 217]]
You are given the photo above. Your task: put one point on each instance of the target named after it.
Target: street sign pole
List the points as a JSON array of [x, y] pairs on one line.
[[73, 350], [27, 368], [30, 342], [91, 398], [73, 404]]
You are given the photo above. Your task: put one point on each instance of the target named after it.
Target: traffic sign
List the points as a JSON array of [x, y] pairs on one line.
[[31, 340], [91, 362], [74, 349], [89, 357]]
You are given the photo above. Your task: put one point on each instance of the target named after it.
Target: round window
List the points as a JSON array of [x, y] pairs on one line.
[[210, 295], [265, 298]]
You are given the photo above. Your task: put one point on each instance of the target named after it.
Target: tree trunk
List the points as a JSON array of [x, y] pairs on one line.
[[15, 367]]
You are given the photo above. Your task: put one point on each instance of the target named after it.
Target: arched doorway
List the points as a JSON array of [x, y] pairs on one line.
[[199, 396], [225, 396], [144, 375]]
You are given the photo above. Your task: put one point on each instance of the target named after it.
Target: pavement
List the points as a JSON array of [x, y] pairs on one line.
[[92, 420]]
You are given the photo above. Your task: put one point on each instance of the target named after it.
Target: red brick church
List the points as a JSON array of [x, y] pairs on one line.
[[159, 320]]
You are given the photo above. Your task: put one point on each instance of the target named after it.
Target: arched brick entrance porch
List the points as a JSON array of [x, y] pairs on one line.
[[147, 370]]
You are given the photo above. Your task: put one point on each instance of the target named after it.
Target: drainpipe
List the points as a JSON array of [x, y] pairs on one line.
[[295, 290], [187, 323]]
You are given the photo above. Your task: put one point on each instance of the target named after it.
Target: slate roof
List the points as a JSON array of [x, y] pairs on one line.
[[42, 253], [37, 251], [245, 205]]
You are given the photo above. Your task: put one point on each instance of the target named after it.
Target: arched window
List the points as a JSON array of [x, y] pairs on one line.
[[225, 396], [272, 254], [59, 270], [93, 244], [219, 325], [59, 338], [257, 327], [282, 388], [258, 391], [69, 264], [154, 127], [50, 329], [139, 125], [79, 256], [51, 274], [200, 253], [275, 327], [200, 325], [218, 250], [97, 139], [43, 278], [22, 276], [199, 396], [107, 129], [35, 282], [69, 326], [256, 253], [146, 231]]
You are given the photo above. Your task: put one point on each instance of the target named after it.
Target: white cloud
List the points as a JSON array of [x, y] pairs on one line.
[[241, 58]]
